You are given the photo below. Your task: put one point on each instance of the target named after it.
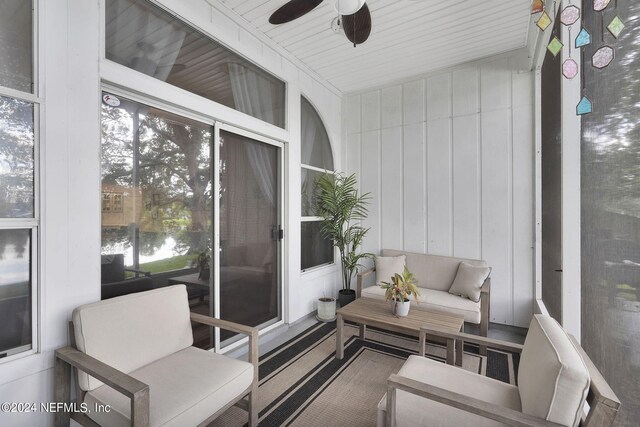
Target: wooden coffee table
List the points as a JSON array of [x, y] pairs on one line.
[[377, 313]]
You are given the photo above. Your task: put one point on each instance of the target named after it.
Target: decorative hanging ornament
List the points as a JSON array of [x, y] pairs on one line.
[[537, 6], [584, 106], [544, 21], [348, 7], [570, 15], [615, 27], [569, 68], [583, 38], [599, 5], [603, 57], [555, 46]]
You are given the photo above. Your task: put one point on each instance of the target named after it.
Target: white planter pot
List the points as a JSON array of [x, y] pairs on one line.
[[326, 309], [401, 308]]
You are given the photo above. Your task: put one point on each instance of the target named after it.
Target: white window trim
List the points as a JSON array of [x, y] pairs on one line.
[[32, 224], [217, 126], [309, 218]]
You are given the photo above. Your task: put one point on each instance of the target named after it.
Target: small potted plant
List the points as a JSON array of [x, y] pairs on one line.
[[398, 291], [204, 269]]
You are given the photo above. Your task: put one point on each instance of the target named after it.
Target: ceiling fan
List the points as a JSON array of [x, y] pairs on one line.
[[353, 16]]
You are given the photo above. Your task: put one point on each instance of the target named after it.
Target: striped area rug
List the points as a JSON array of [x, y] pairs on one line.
[[302, 383]]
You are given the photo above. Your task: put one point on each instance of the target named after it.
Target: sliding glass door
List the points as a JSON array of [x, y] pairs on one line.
[[249, 230], [178, 208]]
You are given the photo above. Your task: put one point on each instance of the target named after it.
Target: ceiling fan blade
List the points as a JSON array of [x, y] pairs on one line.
[[357, 27], [294, 9]]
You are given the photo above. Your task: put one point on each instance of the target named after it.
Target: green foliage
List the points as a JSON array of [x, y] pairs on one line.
[[176, 262], [342, 209], [401, 287]]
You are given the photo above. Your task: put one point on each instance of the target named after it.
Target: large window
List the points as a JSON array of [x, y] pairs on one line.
[[610, 180], [142, 36], [157, 202], [156, 189], [18, 186], [317, 159]]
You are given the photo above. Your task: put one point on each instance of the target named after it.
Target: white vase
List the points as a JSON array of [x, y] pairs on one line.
[[326, 309], [401, 308]]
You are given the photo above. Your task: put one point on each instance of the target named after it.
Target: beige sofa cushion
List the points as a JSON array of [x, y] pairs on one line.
[[439, 301], [552, 378], [387, 267], [134, 330], [185, 388], [469, 280], [433, 271], [412, 410]]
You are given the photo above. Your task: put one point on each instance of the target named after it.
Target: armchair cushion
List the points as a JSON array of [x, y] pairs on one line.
[[469, 280], [413, 410], [132, 331], [552, 378], [185, 389], [387, 267]]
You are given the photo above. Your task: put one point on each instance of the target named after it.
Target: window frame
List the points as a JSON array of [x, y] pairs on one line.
[[315, 218], [205, 117], [32, 223]]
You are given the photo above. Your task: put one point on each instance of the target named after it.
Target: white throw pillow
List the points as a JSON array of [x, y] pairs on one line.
[[469, 280], [388, 266]]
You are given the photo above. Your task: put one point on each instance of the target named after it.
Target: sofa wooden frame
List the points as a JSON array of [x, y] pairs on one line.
[[603, 402], [69, 360]]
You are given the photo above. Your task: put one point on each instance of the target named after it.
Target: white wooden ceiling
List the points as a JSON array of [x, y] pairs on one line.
[[409, 37]]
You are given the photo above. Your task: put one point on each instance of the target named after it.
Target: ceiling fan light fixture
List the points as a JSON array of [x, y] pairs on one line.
[[348, 7], [336, 25]]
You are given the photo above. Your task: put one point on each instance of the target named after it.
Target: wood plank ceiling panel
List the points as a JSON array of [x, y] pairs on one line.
[[409, 37], [440, 32]]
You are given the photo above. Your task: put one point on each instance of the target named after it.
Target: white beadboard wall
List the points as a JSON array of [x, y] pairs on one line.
[[448, 159]]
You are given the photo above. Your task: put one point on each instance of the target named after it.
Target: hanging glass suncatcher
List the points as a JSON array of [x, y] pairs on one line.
[[544, 21], [537, 6], [615, 27], [600, 5], [606, 54], [569, 15], [584, 106], [583, 38], [555, 46], [603, 57], [569, 68]]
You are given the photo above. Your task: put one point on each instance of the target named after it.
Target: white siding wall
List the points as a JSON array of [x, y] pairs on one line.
[[448, 159], [71, 70]]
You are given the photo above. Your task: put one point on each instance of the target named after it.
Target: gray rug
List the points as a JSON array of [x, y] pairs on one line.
[[302, 384]]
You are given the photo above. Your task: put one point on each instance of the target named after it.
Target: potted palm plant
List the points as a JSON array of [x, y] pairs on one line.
[[398, 291], [342, 209]]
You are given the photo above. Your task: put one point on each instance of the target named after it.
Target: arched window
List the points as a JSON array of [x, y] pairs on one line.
[[317, 159]]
